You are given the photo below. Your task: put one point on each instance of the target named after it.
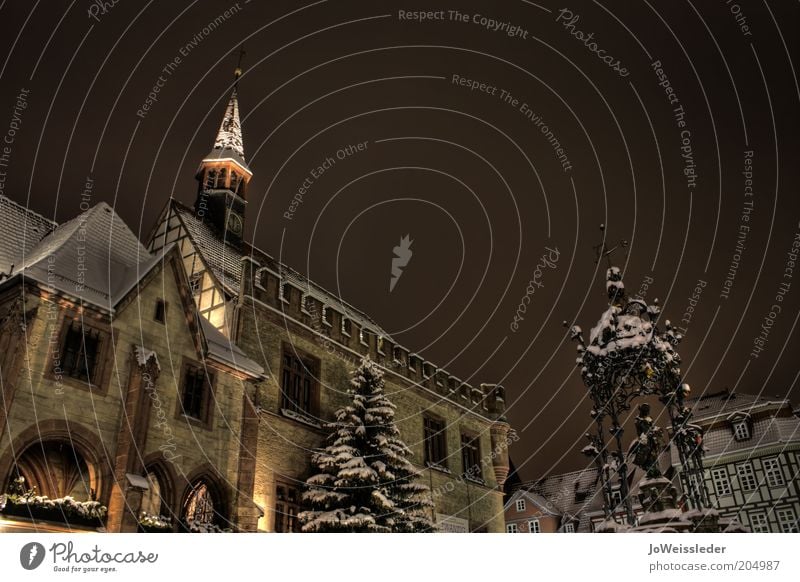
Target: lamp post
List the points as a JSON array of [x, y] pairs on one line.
[[628, 356]]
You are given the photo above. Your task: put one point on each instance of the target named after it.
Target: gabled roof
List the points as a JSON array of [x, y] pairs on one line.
[[533, 498], [20, 230], [726, 403], [222, 349], [91, 257]]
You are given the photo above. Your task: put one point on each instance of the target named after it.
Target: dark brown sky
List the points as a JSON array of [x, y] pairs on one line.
[[473, 181]]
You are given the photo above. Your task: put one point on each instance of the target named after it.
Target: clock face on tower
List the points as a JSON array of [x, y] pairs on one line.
[[234, 223]]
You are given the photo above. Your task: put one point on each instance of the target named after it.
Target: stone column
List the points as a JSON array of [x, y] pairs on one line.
[[123, 507], [499, 431], [246, 513]]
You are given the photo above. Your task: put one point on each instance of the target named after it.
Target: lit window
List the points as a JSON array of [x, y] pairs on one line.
[[747, 477], [512, 528], [721, 482], [741, 430], [772, 469], [759, 523], [569, 528], [380, 344], [80, 351], [287, 506], [534, 527], [520, 505], [435, 442], [199, 505], [787, 520]]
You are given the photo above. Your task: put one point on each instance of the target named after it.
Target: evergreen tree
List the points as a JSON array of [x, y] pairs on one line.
[[365, 481]]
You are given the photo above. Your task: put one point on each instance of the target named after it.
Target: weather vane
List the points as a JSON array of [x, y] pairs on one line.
[[238, 71], [602, 250]]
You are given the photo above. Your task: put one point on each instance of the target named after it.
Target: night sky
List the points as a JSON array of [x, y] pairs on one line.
[[494, 134]]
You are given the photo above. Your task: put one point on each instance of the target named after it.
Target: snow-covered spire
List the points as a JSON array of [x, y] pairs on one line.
[[229, 136]]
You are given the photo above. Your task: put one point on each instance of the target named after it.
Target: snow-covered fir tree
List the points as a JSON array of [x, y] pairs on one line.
[[365, 481]]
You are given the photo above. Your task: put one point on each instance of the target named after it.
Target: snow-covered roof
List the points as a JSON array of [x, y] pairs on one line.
[[20, 230], [91, 257], [222, 349]]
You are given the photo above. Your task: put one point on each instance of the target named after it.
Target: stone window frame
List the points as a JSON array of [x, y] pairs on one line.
[[285, 520], [313, 371], [104, 362], [208, 397], [470, 441], [435, 441]]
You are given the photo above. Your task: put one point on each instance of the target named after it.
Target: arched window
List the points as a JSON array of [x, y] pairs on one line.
[[153, 499], [56, 469], [200, 506], [221, 178]]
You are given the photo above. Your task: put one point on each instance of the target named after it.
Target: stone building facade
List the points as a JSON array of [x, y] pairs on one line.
[[185, 384], [308, 339], [114, 390]]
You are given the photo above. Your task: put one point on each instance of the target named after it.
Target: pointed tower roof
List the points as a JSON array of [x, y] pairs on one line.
[[229, 144]]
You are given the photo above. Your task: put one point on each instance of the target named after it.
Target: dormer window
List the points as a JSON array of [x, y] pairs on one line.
[[741, 430]]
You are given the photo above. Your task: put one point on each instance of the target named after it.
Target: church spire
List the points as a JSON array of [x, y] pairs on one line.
[[223, 174]]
